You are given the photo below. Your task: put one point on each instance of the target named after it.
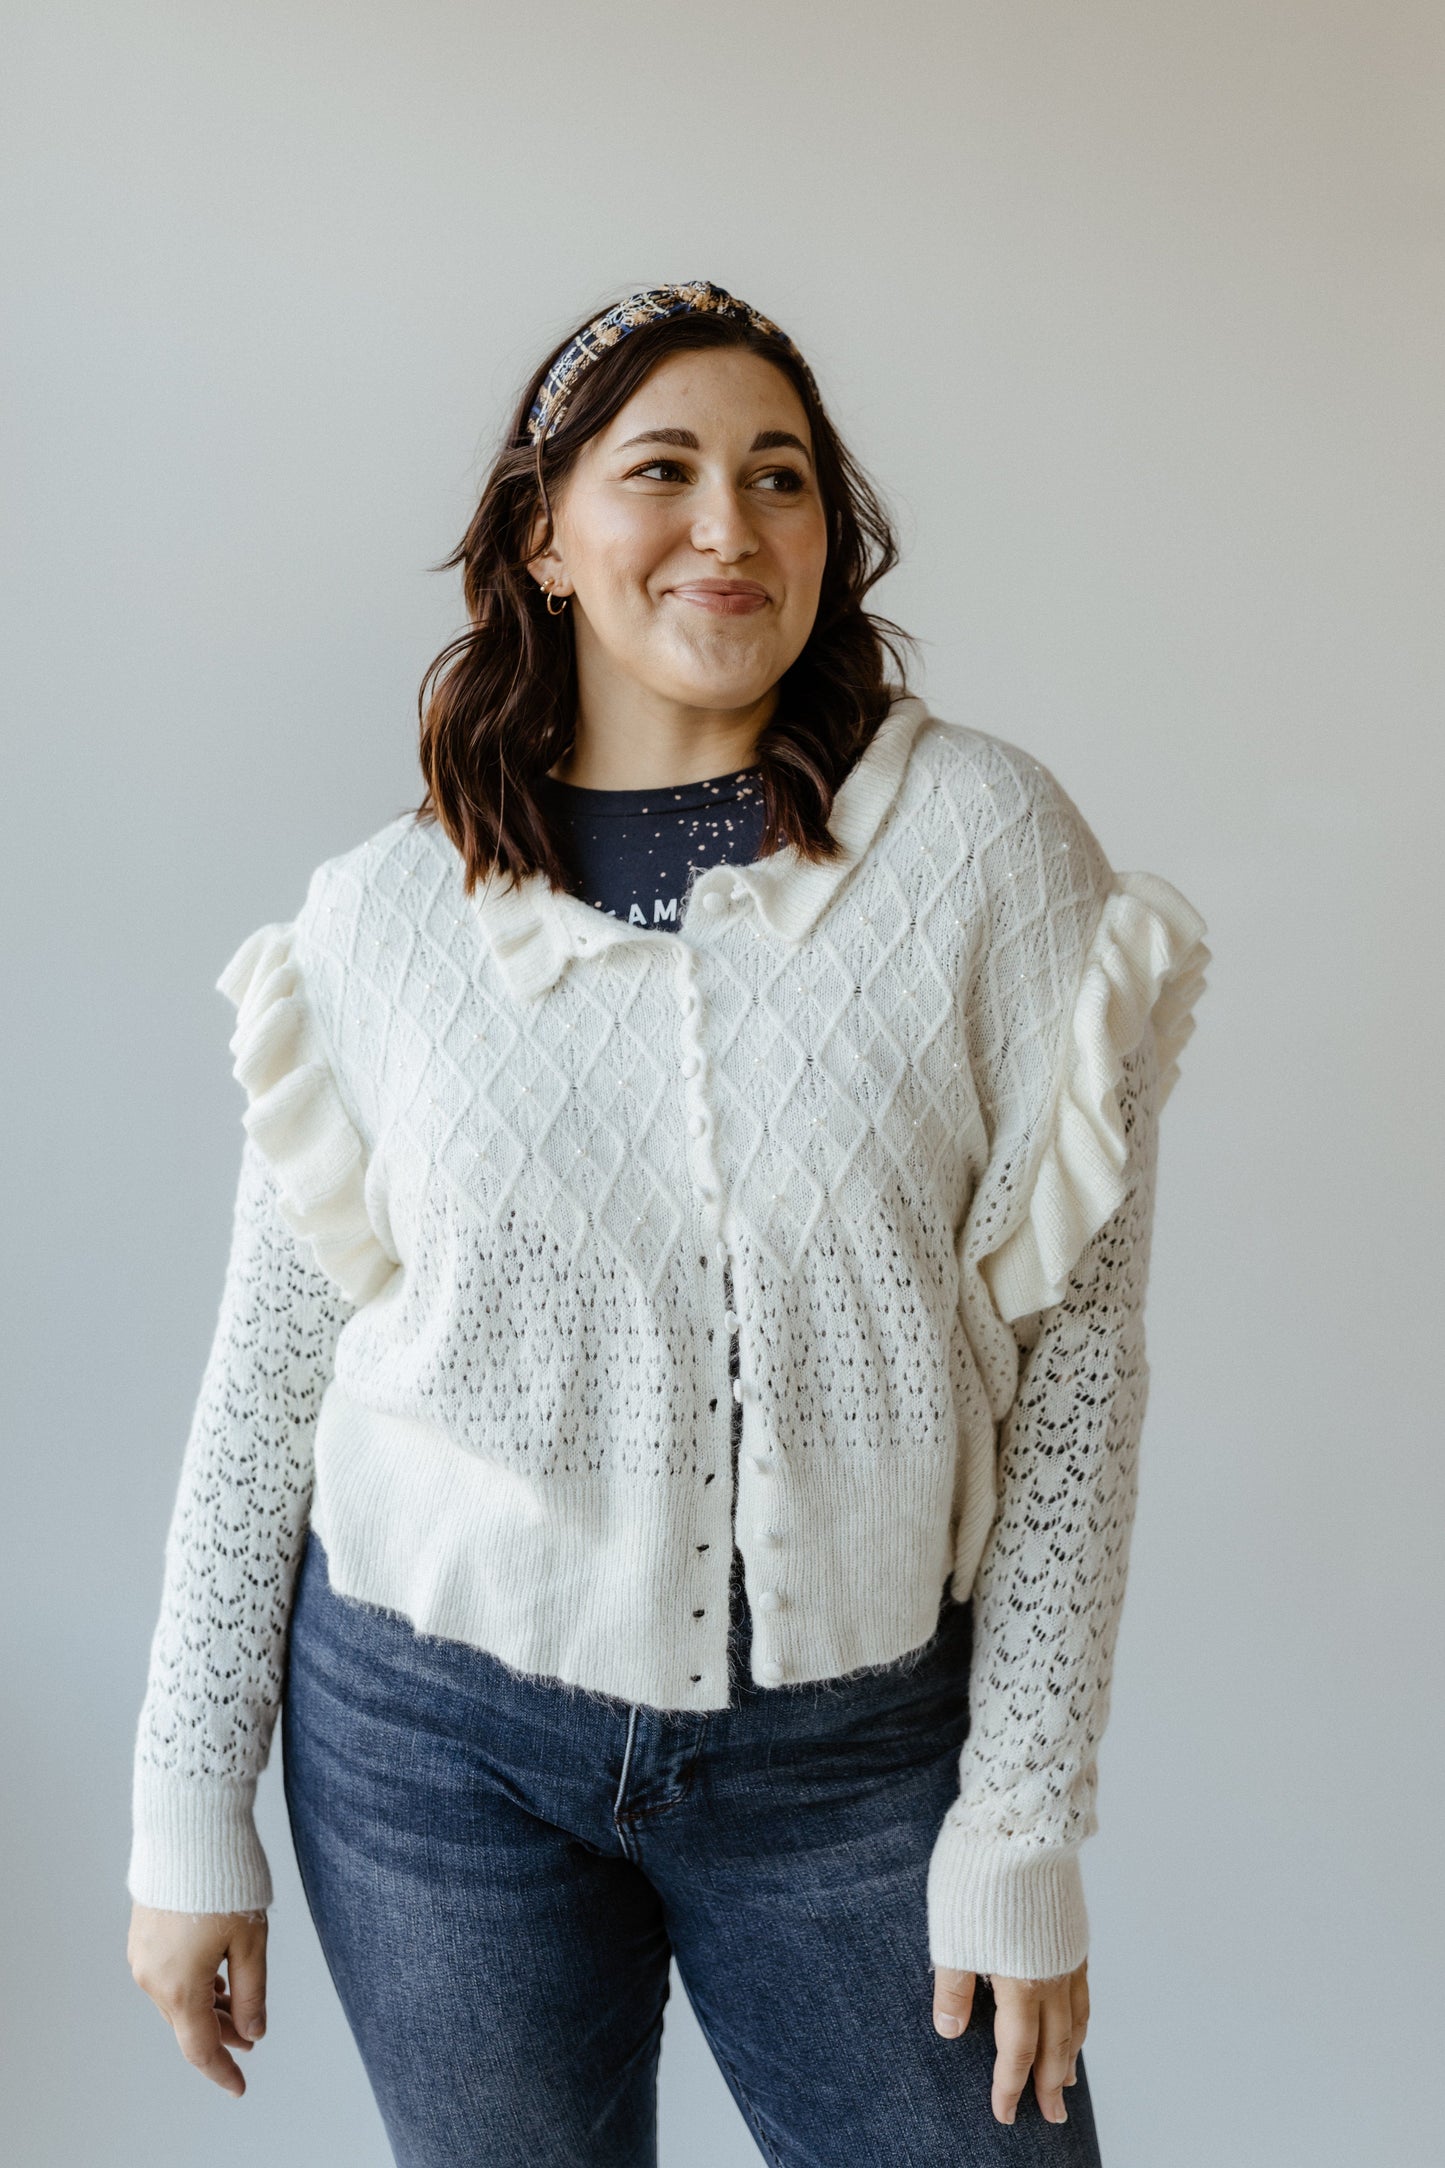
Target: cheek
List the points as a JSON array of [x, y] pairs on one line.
[[804, 556], [622, 552], [802, 543]]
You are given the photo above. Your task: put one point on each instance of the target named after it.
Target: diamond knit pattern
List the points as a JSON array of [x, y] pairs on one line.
[[507, 1160]]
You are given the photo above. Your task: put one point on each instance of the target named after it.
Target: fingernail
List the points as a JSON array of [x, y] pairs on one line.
[[950, 2027], [1060, 2114]]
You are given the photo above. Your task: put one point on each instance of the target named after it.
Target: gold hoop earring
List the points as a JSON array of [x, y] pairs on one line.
[[562, 600]]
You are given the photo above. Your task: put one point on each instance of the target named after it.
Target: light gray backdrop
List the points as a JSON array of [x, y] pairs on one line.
[[1135, 311]]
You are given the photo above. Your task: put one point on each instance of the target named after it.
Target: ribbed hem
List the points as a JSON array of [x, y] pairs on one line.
[[1007, 1908], [622, 1586], [194, 1846]]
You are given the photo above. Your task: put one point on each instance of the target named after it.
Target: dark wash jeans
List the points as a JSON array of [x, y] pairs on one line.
[[500, 1870]]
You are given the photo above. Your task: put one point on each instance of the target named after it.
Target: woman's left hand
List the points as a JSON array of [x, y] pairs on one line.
[[1039, 2025]]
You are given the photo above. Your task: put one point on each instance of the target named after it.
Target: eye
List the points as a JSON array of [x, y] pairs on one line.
[[788, 479], [666, 470]]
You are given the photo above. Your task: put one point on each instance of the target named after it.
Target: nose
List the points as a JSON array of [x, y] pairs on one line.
[[722, 526]]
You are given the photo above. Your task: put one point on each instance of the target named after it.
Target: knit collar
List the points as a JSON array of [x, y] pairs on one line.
[[534, 931]]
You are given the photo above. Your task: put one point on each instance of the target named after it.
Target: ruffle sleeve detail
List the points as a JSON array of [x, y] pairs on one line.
[[295, 1114], [1145, 964]]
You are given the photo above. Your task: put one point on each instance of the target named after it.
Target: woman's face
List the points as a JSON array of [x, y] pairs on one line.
[[691, 536]]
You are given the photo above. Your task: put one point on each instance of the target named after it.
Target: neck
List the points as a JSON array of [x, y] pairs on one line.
[[629, 737]]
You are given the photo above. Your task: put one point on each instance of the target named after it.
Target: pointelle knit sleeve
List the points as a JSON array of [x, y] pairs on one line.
[[302, 1257], [1059, 1250]]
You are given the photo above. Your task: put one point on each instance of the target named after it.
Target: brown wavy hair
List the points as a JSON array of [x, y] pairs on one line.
[[498, 706]]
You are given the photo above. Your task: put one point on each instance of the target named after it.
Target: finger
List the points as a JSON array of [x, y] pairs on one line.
[[198, 2033], [952, 2001], [246, 1964], [221, 2004], [1055, 2046], [1079, 1999], [1016, 2036]]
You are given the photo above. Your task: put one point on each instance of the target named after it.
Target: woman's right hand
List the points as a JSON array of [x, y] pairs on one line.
[[176, 1957]]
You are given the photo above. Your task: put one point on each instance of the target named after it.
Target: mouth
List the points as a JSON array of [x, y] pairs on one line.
[[724, 598]]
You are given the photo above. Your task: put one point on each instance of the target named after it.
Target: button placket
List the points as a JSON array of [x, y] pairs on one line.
[[714, 1557], [693, 1068], [759, 1467], [699, 1126], [718, 894]]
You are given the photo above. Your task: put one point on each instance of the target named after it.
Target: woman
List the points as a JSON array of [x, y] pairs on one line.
[[672, 1421]]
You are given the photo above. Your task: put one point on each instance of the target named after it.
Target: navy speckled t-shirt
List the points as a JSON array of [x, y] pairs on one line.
[[633, 853]]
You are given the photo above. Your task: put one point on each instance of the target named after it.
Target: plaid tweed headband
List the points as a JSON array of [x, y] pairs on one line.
[[646, 307]]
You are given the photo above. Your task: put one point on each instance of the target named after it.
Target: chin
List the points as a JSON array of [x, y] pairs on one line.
[[720, 694], [721, 682]]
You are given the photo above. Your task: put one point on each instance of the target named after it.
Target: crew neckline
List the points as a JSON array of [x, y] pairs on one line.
[[660, 797]]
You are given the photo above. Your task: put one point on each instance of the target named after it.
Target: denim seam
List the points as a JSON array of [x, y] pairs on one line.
[[634, 1815], [618, 1815], [631, 1816]]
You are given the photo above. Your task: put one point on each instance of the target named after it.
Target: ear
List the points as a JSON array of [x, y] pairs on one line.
[[545, 564]]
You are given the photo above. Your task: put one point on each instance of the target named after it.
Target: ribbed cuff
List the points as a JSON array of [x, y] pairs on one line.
[[194, 1846], [1004, 1907]]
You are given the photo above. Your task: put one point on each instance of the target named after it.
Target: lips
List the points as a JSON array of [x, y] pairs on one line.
[[725, 598]]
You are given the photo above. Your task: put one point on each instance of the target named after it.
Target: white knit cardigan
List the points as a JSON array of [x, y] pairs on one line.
[[505, 1158]]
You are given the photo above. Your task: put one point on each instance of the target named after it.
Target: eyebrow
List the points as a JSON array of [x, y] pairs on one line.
[[766, 440]]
